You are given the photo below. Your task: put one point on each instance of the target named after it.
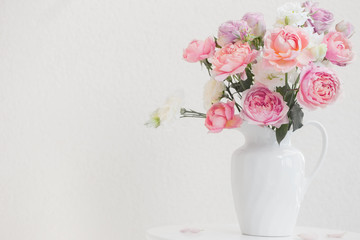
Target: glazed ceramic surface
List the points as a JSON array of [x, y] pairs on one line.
[[269, 182]]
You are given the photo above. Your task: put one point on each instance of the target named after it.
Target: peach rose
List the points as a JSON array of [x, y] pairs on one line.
[[339, 49], [284, 48], [264, 107], [319, 86], [198, 50], [232, 59], [220, 116]]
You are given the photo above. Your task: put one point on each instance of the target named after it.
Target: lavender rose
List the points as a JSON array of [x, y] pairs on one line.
[[321, 18], [230, 31], [256, 22]]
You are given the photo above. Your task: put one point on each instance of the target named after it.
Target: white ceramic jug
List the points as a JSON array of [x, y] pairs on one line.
[[269, 182]]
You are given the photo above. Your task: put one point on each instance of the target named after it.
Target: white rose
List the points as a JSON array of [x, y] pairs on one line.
[[168, 112], [213, 91], [315, 46], [291, 13], [318, 52]]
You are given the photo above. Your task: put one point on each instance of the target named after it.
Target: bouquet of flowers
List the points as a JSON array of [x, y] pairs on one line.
[[267, 76]]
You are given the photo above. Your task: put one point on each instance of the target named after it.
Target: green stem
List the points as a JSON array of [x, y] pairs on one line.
[[183, 116], [191, 113], [208, 66], [233, 99]]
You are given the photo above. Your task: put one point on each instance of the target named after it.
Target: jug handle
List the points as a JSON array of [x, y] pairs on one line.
[[324, 136]]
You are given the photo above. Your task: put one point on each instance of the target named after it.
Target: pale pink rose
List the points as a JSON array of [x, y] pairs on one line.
[[321, 19], [232, 31], [261, 106], [256, 22], [220, 116], [319, 86], [232, 59], [339, 49], [284, 48], [346, 28], [198, 50]]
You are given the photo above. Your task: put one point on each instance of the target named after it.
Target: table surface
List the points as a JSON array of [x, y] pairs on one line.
[[232, 232]]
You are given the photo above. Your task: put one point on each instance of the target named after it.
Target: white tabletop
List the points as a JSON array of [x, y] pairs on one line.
[[232, 232]]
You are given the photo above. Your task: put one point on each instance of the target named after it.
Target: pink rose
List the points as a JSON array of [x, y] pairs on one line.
[[220, 116], [256, 22], [231, 31], [284, 48], [199, 50], [264, 107], [232, 59], [319, 86], [346, 28], [339, 49], [321, 19]]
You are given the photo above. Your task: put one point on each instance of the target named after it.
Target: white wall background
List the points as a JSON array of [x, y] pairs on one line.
[[77, 81]]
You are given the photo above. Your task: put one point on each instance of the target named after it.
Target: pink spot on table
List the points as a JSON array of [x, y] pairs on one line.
[[308, 236], [336, 235], [191, 230]]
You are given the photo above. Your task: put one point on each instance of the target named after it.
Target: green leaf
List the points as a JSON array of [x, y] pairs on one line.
[[244, 85], [297, 115], [248, 72], [216, 43], [283, 90], [281, 132]]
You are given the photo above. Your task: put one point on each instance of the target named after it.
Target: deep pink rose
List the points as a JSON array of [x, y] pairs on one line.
[[199, 50], [321, 19], [284, 48], [232, 59], [319, 86], [261, 106], [346, 28], [220, 116], [339, 49], [256, 22], [231, 31]]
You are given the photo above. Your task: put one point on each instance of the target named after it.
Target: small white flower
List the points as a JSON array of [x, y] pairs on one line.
[[213, 91], [291, 13], [154, 120], [168, 112], [267, 75]]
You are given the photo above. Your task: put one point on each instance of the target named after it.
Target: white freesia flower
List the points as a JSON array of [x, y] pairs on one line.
[[291, 13], [168, 112], [267, 75], [213, 91]]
